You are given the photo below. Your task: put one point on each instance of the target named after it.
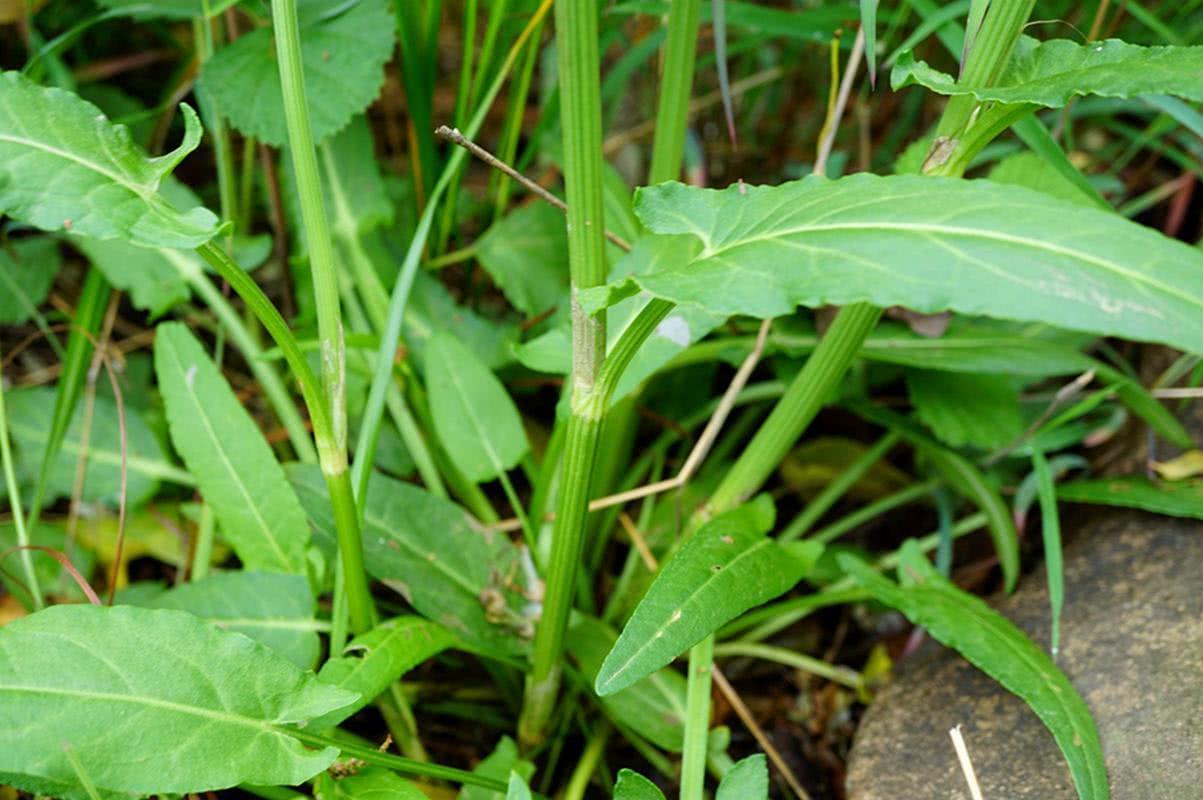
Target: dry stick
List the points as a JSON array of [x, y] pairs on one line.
[[832, 124], [64, 562], [720, 680], [696, 455], [454, 136], [958, 743]]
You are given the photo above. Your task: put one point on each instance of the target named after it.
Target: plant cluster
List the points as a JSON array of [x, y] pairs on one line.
[[416, 440]]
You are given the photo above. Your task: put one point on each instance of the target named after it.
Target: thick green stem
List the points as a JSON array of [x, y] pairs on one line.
[[332, 442], [676, 83], [580, 109], [697, 720]]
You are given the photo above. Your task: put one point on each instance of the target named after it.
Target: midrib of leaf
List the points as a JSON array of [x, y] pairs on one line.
[[270, 623], [247, 497], [948, 230], [655, 637], [149, 702], [145, 192]]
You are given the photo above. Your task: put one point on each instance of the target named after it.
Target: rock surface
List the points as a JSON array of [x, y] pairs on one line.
[[1131, 642]]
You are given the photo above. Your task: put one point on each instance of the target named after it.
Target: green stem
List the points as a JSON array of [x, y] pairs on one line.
[[815, 666], [873, 510], [697, 720], [587, 764], [672, 114], [215, 122], [332, 442], [202, 554], [14, 501]]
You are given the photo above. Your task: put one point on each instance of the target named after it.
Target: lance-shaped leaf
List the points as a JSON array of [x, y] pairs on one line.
[[372, 661], [1173, 498], [259, 513], [344, 47], [168, 9], [65, 166], [474, 583], [475, 418], [1051, 73], [152, 702], [724, 569], [747, 780], [276, 610], [633, 786], [994, 645], [930, 244]]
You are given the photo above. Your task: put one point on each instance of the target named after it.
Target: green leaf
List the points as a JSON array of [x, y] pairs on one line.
[[369, 784], [499, 764], [526, 254], [810, 24], [747, 780], [376, 659], [474, 417], [994, 645], [64, 166], [724, 569], [966, 408], [168, 9], [1175, 499], [52, 578], [258, 511], [476, 584], [653, 706], [868, 23], [633, 786], [518, 790], [1051, 73], [1033, 172], [931, 244], [344, 48], [27, 270], [117, 683], [30, 411], [273, 609], [432, 308], [351, 177], [1050, 530]]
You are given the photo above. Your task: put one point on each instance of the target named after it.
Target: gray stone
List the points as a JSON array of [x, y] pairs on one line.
[[1131, 642]]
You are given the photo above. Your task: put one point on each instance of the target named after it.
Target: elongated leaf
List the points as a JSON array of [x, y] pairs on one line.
[[1050, 530], [1051, 73], [168, 9], [475, 584], [258, 511], [633, 786], [116, 684], [1032, 171], [475, 418], [653, 706], [500, 764], [747, 780], [724, 569], [868, 23], [344, 47], [276, 610], [64, 166], [812, 24], [30, 412], [930, 244], [994, 645], [518, 790], [1173, 498], [379, 657], [27, 270]]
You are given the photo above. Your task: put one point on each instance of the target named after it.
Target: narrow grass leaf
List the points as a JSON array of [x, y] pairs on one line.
[[64, 166], [1050, 530], [930, 244], [168, 9], [258, 511], [868, 23], [116, 683], [654, 706], [994, 645], [633, 786], [474, 417], [374, 660], [719, 23], [476, 584], [1173, 498], [724, 569], [1050, 73], [273, 609], [344, 47], [747, 780]]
